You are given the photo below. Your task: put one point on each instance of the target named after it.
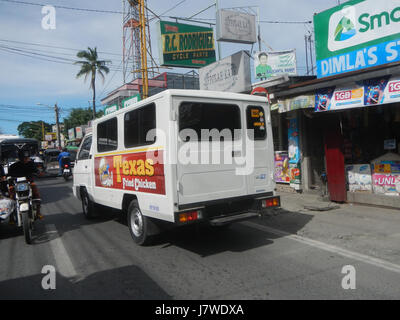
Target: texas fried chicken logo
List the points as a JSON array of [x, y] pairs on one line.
[[135, 172]]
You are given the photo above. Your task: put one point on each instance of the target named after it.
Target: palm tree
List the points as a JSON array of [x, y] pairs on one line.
[[91, 66]]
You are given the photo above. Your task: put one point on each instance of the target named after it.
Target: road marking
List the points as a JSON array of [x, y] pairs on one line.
[[64, 264], [327, 247]]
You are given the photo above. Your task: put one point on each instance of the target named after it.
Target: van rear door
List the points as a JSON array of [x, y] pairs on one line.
[[260, 144], [210, 137]]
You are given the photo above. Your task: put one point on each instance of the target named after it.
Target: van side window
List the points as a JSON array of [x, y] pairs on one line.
[[197, 116], [256, 122], [137, 124], [85, 149], [107, 135]]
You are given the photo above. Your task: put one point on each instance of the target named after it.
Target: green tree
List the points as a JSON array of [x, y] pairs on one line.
[[33, 129], [78, 117], [92, 66]]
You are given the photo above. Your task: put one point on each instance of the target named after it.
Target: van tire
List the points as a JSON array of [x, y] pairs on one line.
[[139, 225], [88, 206]]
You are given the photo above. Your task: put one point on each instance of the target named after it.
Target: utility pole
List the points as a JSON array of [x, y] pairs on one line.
[[259, 29], [58, 125], [218, 43], [311, 55], [306, 47], [56, 110]]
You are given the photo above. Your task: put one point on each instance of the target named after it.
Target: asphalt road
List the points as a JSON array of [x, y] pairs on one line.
[[250, 260]]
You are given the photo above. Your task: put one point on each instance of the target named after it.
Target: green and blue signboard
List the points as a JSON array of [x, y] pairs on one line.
[[356, 35], [110, 109], [130, 101]]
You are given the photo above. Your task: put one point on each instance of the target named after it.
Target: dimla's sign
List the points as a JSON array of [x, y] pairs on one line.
[[183, 45], [356, 35]]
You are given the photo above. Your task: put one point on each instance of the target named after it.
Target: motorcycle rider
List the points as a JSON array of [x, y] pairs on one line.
[[63, 154], [26, 168]]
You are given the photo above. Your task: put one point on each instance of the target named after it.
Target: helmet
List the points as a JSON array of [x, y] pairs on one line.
[[22, 154]]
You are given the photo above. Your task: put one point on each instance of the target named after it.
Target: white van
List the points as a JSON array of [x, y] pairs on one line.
[[181, 156]]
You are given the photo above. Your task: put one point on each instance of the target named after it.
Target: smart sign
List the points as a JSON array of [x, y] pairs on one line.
[[356, 35]]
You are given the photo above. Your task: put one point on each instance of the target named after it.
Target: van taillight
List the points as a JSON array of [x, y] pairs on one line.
[[271, 202], [189, 216]]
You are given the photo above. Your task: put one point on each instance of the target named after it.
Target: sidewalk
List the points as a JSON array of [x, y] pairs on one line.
[[365, 229]]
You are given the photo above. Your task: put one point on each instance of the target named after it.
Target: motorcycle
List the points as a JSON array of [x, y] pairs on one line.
[[66, 168], [26, 207]]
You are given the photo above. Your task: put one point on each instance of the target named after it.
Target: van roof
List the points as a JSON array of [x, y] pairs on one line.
[[194, 94]]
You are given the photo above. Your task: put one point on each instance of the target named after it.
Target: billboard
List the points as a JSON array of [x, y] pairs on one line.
[[229, 74], [184, 45], [356, 35], [71, 133], [271, 64], [234, 26]]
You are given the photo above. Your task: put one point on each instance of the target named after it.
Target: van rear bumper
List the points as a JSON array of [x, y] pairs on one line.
[[230, 210]]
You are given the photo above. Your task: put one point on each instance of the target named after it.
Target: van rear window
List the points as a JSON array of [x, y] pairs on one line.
[[256, 122], [197, 116], [107, 135]]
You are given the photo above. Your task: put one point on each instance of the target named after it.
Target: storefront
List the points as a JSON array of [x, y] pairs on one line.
[[351, 134]]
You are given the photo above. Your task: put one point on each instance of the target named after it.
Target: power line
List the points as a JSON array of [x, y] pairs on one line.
[[172, 8], [44, 57], [261, 21], [63, 7], [55, 47], [73, 8]]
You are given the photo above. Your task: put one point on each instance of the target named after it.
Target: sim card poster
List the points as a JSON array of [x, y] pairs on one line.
[[370, 92]]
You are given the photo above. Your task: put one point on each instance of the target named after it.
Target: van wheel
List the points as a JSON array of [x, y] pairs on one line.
[[87, 205], [138, 224]]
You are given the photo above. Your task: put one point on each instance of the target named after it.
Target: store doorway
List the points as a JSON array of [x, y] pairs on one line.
[[335, 159]]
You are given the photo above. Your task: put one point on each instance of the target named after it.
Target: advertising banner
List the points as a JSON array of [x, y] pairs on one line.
[[299, 102], [140, 172], [356, 35], [293, 134], [282, 173], [359, 177], [271, 64], [295, 175], [234, 26], [229, 74], [388, 184], [350, 96], [376, 91], [184, 45]]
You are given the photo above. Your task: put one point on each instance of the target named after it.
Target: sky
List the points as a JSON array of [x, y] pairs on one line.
[[36, 64]]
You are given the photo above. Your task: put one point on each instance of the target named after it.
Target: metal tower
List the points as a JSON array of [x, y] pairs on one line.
[[137, 57]]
